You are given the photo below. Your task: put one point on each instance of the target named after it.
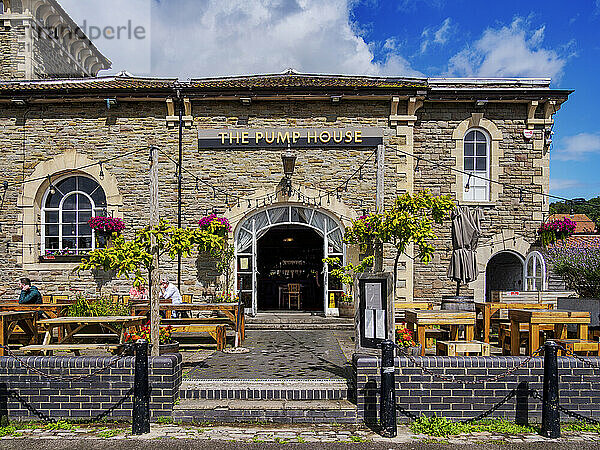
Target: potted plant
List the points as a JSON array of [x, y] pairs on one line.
[[165, 337], [560, 229], [225, 297], [580, 270], [346, 305], [406, 342]]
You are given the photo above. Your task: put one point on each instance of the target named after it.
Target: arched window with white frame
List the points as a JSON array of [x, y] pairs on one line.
[[535, 272], [476, 166], [68, 204]]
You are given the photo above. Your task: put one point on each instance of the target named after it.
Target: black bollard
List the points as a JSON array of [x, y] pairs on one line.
[[141, 394], [550, 412], [387, 411]]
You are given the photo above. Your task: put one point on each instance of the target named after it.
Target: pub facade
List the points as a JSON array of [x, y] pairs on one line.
[[77, 147]]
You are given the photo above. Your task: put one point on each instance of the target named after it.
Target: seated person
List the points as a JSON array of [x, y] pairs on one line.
[[170, 291], [29, 294], [138, 292]]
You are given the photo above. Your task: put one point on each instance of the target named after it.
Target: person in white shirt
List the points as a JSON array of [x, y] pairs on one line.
[[170, 291]]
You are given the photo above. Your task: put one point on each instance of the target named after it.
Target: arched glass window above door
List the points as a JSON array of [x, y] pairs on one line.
[[535, 272]]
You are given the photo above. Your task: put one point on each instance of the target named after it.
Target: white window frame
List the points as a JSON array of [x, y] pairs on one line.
[[538, 259], [59, 210], [477, 180]]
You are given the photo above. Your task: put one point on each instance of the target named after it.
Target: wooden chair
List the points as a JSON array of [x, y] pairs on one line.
[[126, 298], [294, 295], [46, 299], [186, 298], [115, 298], [452, 348], [57, 298], [579, 347]]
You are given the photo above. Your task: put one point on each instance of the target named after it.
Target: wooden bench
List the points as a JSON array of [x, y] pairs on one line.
[[216, 327], [451, 348], [579, 346], [75, 348]]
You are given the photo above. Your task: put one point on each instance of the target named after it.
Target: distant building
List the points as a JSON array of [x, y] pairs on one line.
[[39, 40]]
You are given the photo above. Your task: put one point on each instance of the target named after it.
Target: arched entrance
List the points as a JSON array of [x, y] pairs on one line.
[[504, 272], [284, 245]]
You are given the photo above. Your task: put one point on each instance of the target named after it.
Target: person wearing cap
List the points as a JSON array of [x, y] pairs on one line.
[[170, 291]]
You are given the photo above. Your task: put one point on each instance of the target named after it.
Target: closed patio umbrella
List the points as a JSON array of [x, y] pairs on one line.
[[466, 230]]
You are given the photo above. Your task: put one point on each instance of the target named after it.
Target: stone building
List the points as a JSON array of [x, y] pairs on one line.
[[39, 40], [77, 147]]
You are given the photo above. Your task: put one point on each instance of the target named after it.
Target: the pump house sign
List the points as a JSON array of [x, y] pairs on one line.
[[289, 137]]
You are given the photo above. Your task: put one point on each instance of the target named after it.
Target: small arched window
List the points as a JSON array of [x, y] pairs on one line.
[[476, 166], [535, 272], [68, 205]]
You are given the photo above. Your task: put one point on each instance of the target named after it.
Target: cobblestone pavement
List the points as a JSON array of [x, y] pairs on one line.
[[309, 354], [283, 434]]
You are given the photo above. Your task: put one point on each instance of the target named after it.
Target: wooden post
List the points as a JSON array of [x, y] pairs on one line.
[[154, 287], [379, 203]]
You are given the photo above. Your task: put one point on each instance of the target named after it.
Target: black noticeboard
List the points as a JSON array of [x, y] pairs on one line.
[[373, 311]]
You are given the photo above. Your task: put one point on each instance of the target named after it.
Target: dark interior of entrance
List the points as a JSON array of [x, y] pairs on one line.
[[504, 272], [290, 258]]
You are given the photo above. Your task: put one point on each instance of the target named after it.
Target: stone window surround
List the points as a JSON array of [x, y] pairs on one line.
[[31, 197], [476, 121]]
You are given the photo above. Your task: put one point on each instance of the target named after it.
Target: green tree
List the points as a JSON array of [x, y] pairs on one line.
[[134, 257], [411, 219], [590, 208]]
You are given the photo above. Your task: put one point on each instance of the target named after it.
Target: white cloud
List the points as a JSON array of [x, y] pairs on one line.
[[559, 184], [193, 38], [578, 147], [509, 51], [411, 5], [439, 36]]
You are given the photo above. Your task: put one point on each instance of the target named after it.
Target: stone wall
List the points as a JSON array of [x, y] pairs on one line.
[[12, 60], [26, 395], [42, 133], [419, 393]]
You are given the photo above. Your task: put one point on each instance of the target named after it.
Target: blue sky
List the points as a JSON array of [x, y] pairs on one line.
[[551, 38]]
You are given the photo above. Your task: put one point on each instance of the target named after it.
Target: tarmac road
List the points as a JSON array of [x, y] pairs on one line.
[[173, 444]]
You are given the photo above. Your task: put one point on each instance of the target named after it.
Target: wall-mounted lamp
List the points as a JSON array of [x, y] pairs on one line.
[[247, 101], [19, 101], [336, 98], [110, 102], [481, 103], [101, 174]]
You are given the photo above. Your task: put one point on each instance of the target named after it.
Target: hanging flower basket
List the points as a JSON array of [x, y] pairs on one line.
[[550, 232], [104, 228], [215, 225]]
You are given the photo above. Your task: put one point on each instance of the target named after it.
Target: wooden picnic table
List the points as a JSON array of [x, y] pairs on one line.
[[73, 325], [26, 320], [420, 320], [534, 318], [491, 309], [229, 310], [52, 310]]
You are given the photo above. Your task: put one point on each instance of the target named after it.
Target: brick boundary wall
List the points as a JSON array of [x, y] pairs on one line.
[[86, 398], [422, 394]]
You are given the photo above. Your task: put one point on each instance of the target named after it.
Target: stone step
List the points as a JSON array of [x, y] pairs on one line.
[[264, 390], [275, 411], [297, 321], [300, 326]]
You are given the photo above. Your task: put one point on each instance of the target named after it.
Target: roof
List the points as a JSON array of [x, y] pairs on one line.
[[585, 225], [289, 83], [292, 79], [579, 241]]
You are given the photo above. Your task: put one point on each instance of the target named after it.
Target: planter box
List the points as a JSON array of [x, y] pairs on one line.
[[62, 258], [592, 305], [346, 309]]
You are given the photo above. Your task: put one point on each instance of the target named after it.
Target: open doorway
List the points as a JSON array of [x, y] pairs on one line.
[[504, 272], [290, 266]]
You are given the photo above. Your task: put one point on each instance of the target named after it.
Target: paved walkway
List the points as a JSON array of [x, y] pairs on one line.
[[253, 434], [309, 354]]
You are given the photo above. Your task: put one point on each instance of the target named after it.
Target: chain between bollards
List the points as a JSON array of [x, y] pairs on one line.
[[550, 405], [141, 392], [387, 411]]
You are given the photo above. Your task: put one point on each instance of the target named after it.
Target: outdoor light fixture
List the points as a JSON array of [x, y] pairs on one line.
[[468, 185], [481, 103], [336, 98], [111, 102], [289, 164], [52, 190], [18, 101], [290, 239], [246, 100]]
